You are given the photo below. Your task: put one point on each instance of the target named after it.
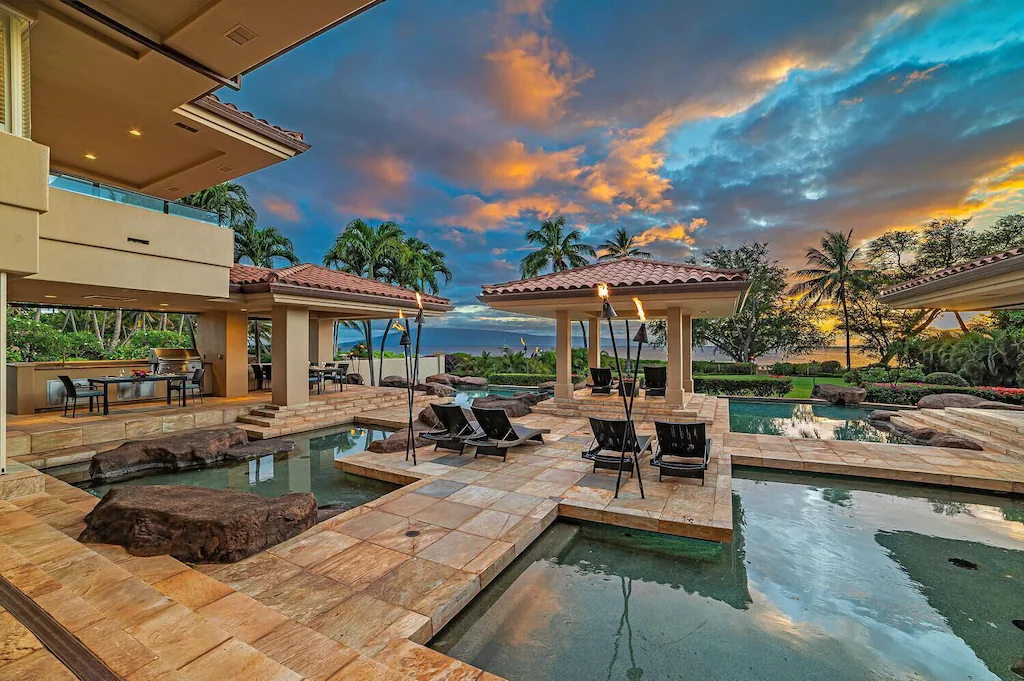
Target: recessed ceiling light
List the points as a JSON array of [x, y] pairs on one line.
[[135, 132], [164, 304], [244, 309], [49, 296], [91, 157]]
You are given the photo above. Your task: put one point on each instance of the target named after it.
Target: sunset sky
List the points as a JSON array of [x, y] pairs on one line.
[[691, 124]]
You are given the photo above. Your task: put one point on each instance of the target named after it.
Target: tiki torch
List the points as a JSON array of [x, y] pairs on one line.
[[406, 341], [419, 332], [608, 313]]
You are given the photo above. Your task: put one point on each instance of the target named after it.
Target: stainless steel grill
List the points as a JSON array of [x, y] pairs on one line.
[[175, 360]]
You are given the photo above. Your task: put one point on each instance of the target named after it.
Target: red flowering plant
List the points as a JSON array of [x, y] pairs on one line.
[[139, 374]]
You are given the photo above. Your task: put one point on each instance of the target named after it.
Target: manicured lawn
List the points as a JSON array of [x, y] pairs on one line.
[[801, 384]]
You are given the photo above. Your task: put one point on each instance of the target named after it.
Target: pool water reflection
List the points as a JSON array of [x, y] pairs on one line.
[[822, 581], [309, 468], [793, 419]]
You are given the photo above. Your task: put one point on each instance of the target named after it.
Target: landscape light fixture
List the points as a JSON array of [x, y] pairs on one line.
[[629, 436]]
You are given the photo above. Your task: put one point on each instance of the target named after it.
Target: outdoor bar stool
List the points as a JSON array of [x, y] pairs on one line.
[[257, 372], [73, 392]]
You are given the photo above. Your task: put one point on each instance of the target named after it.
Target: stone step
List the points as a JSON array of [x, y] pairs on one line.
[[1008, 427], [918, 420], [968, 423], [1010, 420]]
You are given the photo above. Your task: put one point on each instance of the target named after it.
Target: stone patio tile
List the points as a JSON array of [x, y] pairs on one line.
[[178, 635], [561, 476], [521, 470], [478, 495], [500, 481], [599, 480], [410, 582], [367, 669], [70, 611], [194, 589], [152, 569], [439, 489], [444, 602], [40, 665], [491, 561], [83, 571], [468, 475], [362, 564], [128, 602], [541, 488], [397, 537], [419, 662], [308, 652], [514, 502], [410, 626], [447, 514], [234, 659], [311, 549], [490, 524], [358, 620], [242, 617], [455, 549], [15, 640], [453, 460], [117, 648], [591, 494], [408, 504], [30, 579], [431, 469], [369, 524], [305, 596]]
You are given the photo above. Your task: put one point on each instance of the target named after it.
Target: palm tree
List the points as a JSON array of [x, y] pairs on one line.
[[834, 273], [558, 250], [621, 245], [368, 252], [418, 266], [228, 200], [262, 245]]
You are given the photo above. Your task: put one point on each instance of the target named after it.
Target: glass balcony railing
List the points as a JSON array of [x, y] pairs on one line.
[[78, 185]]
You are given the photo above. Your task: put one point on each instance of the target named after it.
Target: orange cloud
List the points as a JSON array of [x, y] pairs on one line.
[[282, 208], [478, 215], [512, 166], [676, 231], [387, 169], [531, 80], [916, 76], [385, 180]]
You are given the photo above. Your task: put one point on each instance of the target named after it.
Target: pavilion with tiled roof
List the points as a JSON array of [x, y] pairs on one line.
[[994, 282], [676, 292]]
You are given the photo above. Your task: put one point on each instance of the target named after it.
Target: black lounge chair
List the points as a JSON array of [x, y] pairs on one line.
[[453, 429], [655, 380], [610, 436], [683, 450], [500, 433], [73, 392], [602, 379]]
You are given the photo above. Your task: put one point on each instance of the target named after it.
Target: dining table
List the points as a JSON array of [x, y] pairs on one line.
[[107, 381]]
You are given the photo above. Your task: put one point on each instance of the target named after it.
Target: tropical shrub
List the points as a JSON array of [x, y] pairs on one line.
[[911, 393], [994, 358], [729, 368], [520, 379], [828, 368], [882, 374], [945, 378], [139, 344], [758, 386]]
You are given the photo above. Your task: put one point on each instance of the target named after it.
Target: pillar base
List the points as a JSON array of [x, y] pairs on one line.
[[674, 397], [563, 390], [688, 385]]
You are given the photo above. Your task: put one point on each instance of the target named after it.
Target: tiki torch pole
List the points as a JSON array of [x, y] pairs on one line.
[[640, 338], [410, 440], [419, 332]]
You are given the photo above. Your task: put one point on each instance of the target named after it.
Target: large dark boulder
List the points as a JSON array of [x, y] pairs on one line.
[[181, 451], [547, 386], [394, 382], [427, 416], [354, 378], [398, 441], [944, 400], [196, 524], [469, 382], [954, 442], [444, 379], [882, 415], [848, 395], [436, 389], [530, 398], [513, 406]]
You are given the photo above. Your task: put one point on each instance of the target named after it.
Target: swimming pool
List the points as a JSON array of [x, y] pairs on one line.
[[825, 579], [465, 397], [802, 420], [309, 468]]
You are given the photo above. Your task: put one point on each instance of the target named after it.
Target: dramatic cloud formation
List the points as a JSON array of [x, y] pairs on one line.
[[690, 124]]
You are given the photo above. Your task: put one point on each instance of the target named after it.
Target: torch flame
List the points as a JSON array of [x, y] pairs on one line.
[[522, 342], [400, 315], [640, 310], [419, 300], [397, 327], [602, 291]]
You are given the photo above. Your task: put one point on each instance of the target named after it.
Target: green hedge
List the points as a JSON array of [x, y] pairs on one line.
[[910, 393], [830, 368], [520, 379], [945, 378], [753, 386], [730, 368]]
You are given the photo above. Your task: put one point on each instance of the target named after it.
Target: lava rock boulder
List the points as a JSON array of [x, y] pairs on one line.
[[839, 394]]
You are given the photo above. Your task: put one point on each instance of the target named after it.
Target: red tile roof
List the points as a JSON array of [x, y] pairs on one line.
[[289, 138], [316, 277], [950, 271], [620, 272]]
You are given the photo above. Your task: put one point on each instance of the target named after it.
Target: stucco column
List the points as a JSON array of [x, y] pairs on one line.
[[321, 338], [290, 355], [222, 338], [3, 373], [686, 351], [594, 345], [673, 342], [563, 354]]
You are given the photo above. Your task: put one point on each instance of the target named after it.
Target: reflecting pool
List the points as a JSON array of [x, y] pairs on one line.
[[309, 468], [825, 579], [814, 421]]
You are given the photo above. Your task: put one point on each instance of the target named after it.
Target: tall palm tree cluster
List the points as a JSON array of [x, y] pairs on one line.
[[384, 252]]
